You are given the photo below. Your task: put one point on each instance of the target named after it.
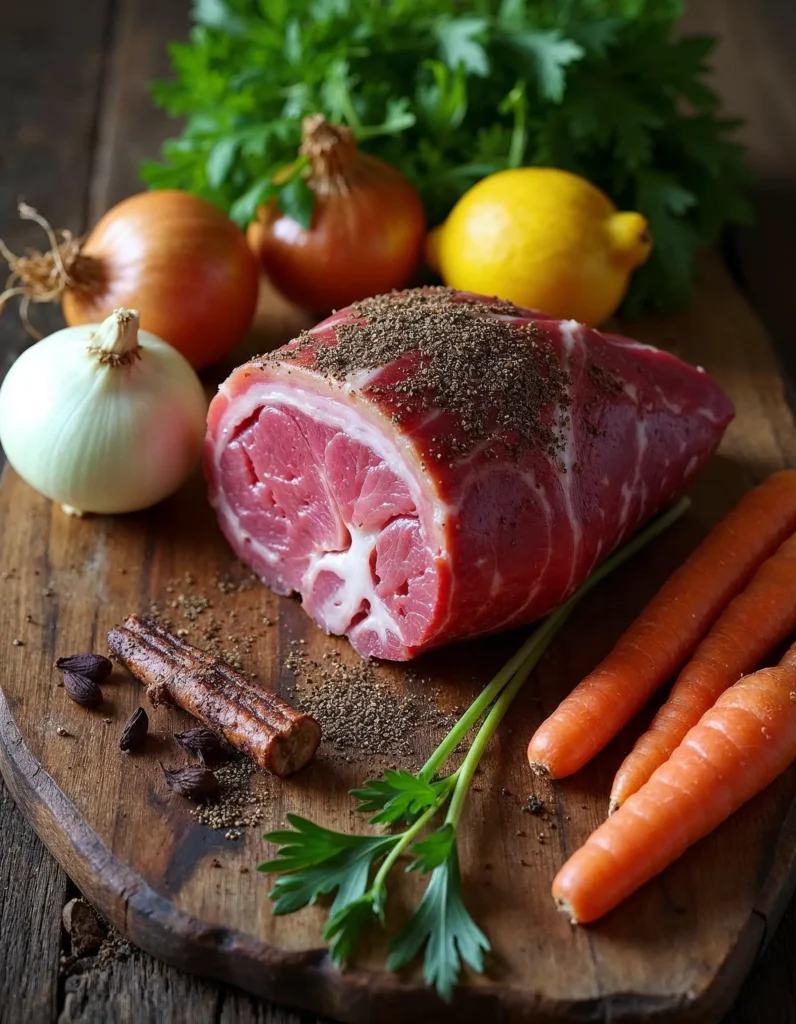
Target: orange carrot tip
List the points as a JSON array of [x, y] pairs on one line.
[[669, 629], [749, 628], [738, 747]]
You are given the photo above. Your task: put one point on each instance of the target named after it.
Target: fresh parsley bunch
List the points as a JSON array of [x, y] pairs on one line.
[[314, 862], [449, 91]]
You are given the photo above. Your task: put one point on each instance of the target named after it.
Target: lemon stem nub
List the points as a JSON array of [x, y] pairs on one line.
[[631, 241]]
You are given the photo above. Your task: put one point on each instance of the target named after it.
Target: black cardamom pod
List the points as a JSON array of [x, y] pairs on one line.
[[203, 744], [93, 666], [194, 783], [81, 689], [135, 731]]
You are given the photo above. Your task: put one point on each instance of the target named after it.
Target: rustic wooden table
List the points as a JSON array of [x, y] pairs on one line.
[[75, 118]]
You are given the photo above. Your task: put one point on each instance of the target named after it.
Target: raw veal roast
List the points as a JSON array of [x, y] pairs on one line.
[[433, 465]]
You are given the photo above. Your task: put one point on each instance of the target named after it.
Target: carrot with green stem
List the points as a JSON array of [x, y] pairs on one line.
[[738, 747], [667, 632], [748, 629]]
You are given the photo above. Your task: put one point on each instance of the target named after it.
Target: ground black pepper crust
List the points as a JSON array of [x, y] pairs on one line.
[[608, 382], [500, 378]]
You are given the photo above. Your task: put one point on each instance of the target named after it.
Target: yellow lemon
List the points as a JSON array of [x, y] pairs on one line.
[[542, 238]]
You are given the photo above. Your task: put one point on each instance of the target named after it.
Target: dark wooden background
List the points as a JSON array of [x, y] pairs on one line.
[[75, 118]]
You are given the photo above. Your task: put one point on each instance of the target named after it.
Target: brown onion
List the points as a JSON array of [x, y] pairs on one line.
[[366, 232], [176, 258]]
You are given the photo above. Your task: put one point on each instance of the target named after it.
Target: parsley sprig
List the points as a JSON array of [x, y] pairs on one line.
[[313, 861], [450, 91]]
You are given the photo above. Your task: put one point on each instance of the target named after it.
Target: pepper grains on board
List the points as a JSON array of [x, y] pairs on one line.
[[359, 714], [238, 805], [192, 614]]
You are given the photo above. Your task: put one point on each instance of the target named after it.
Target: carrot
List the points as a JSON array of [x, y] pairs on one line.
[[666, 633], [738, 747], [749, 628]]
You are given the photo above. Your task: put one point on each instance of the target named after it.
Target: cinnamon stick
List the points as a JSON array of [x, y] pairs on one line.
[[273, 734]]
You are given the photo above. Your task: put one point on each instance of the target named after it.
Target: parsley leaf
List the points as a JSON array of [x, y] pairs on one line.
[[293, 48], [434, 850], [459, 43], [297, 200], [318, 861], [245, 207], [398, 796], [221, 159], [345, 927], [443, 924], [217, 14], [552, 53]]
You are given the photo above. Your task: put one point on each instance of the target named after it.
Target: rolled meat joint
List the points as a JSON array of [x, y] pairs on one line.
[[432, 465], [274, 735]]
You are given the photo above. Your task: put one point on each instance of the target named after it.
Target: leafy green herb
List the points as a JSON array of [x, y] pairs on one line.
[[398, 796], [319, 862], [343, 929], [449, 92], [442, 923], [297, 200], [434, 850], [315, 861]]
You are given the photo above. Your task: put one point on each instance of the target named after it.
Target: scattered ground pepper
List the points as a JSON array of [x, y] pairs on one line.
[[238, 805], [225, 583], [357, 711], [192, 615], [605, 380], [191, 606], [500, 378]]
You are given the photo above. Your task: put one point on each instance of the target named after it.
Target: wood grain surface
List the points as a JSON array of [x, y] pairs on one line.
[[188, 894], [75, 157], [47, 54]]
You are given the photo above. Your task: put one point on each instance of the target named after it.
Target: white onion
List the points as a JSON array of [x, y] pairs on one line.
[[103, 418]]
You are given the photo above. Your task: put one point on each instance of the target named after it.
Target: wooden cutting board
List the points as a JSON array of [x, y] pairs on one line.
[[189, 894]]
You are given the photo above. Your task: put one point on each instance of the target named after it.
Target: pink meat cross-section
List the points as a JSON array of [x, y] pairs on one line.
[[324, 491]]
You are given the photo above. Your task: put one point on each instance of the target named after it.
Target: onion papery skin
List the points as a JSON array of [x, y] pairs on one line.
[[361, 242], [178, 260]]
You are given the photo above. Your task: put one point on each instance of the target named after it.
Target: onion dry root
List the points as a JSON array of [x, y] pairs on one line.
[[44, 276], [174, 257]]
